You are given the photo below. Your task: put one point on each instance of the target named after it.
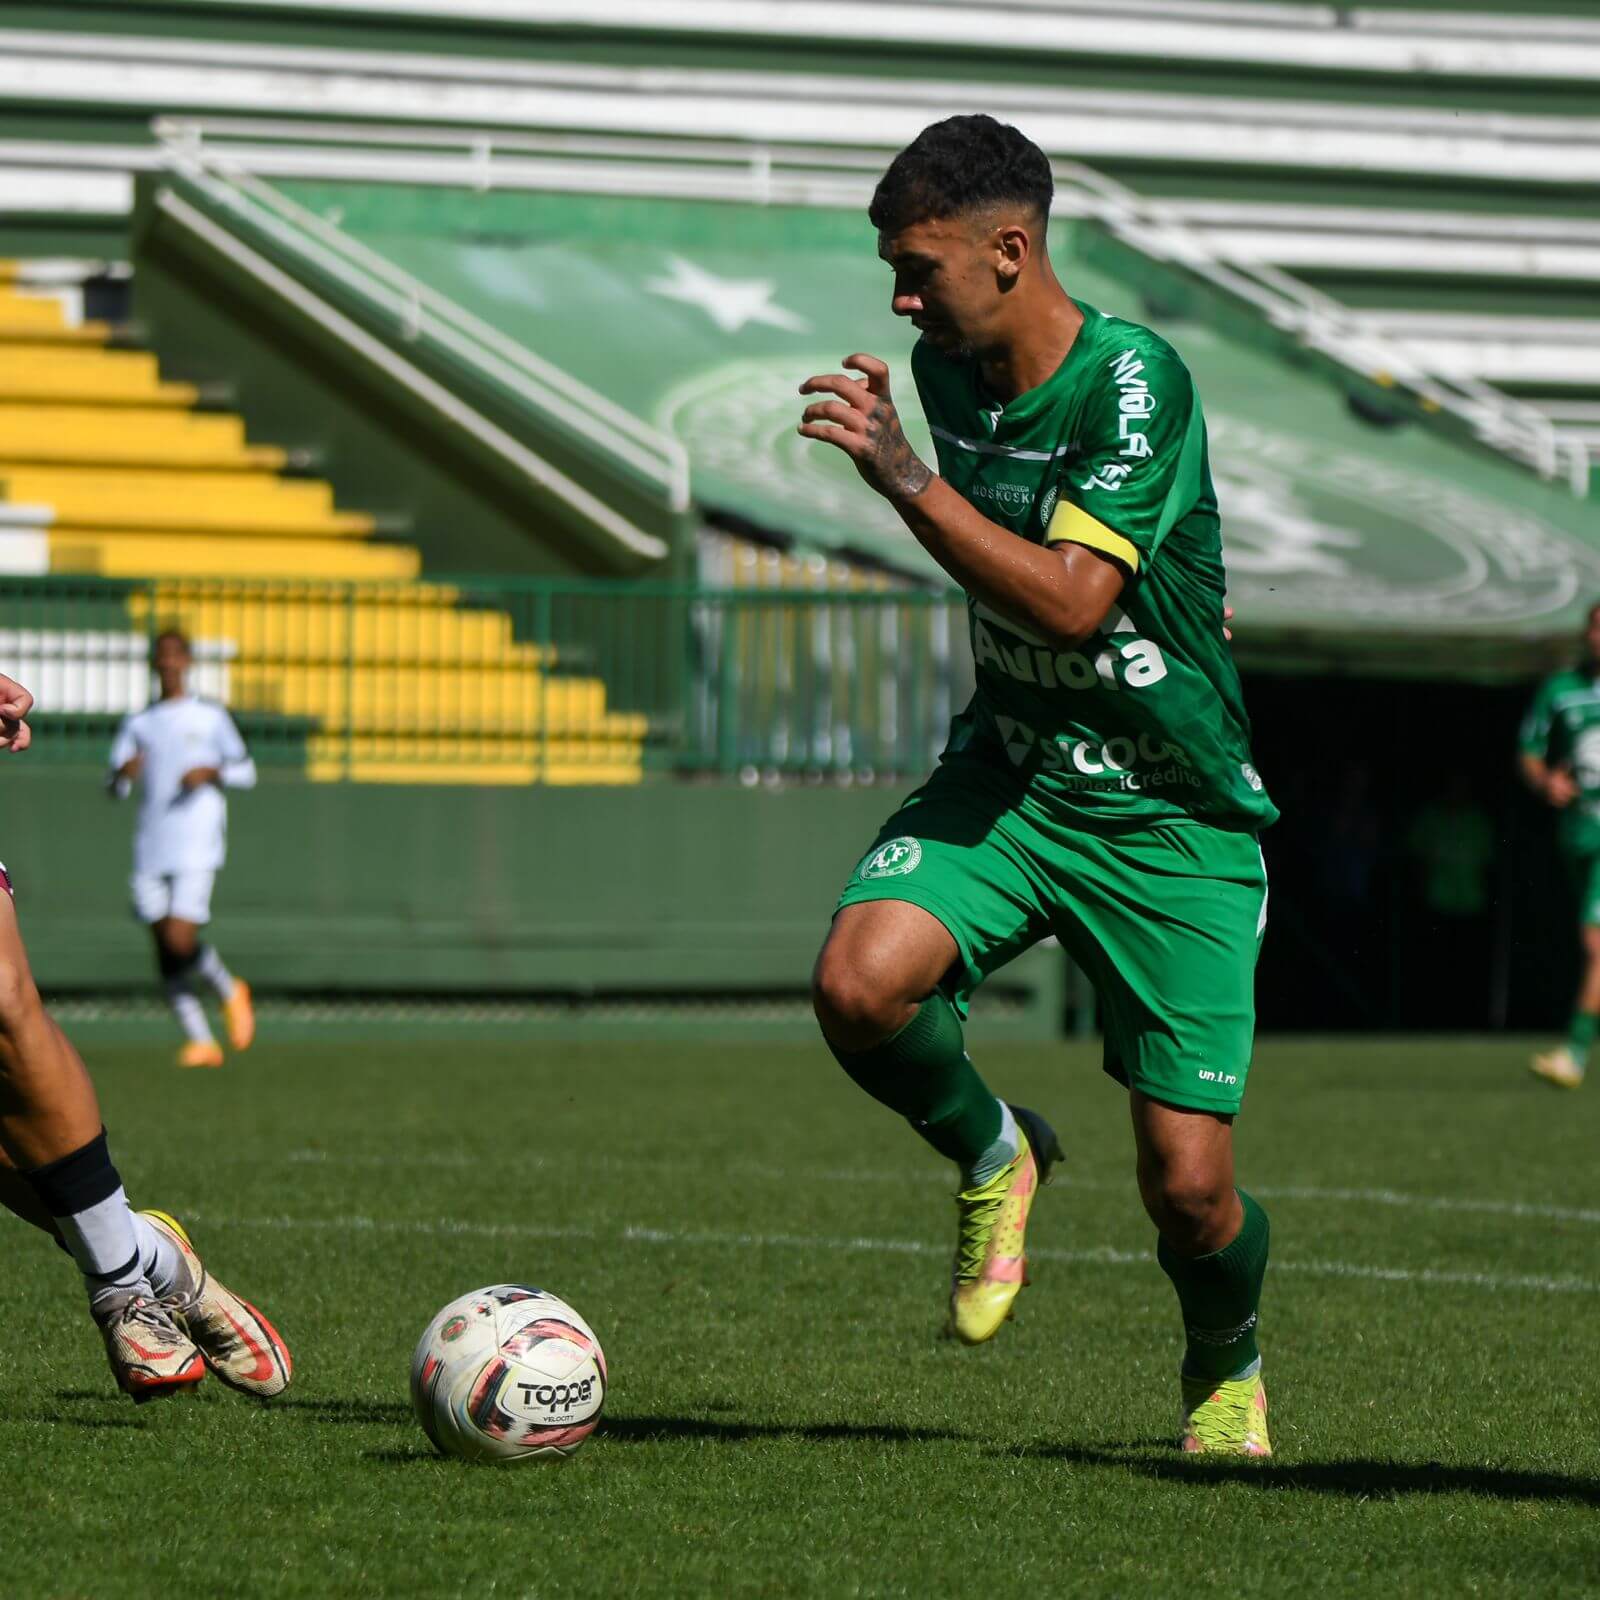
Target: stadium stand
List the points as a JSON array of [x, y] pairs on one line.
[[1393, 198], [1394, 160], [109, 470]]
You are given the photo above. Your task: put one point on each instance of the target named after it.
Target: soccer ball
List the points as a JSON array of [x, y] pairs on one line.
[[508, 1374]]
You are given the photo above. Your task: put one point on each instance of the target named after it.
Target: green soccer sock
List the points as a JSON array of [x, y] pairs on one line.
[[1219, 1295], [1580, 1035], [923, 1072]]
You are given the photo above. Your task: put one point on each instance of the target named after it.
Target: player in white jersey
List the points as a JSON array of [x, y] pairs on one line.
[[165, 1320], [184, 751]]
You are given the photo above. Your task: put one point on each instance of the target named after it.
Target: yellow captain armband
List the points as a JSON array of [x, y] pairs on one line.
[[1073, 525]]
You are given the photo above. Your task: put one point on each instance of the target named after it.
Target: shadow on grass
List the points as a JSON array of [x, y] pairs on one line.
[[658, 1430], [652, 1430], [364, 1412], [1360, 1479]]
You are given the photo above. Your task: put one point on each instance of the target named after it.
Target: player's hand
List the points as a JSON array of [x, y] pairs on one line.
[[1227, 617], [15, 704], [1560, 788], [862, 421], [199, 777]]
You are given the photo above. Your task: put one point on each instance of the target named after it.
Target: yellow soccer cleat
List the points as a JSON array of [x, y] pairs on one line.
[[991, 1261], [239, 1345], [240, 1014], [200, 1053], [1227, 1418], [1558, 1067]]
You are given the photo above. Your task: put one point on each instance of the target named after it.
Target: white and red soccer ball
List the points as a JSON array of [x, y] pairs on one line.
[[508, 1373]]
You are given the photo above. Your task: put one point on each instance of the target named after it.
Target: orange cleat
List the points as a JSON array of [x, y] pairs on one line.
[[200, 1053], [240, 1015]]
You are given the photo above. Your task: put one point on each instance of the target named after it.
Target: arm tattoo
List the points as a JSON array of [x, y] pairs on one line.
[[900, 474]]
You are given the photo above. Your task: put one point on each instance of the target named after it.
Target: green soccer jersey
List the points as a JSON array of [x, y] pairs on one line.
[[1562, 727], [1145, 721]]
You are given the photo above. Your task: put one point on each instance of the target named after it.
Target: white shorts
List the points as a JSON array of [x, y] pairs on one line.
[[185, 895]]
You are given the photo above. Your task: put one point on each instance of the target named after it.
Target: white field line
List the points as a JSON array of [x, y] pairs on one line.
[[692, 1239], [1529, 1209]]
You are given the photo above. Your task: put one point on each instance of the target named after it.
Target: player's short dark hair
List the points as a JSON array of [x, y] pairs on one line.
[[172, 633], [959, 166]]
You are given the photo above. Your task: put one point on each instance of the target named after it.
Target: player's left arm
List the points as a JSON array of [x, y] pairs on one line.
[[234, 767], [238, 769], [1139, 466], [1550, 780], [1062, 594]]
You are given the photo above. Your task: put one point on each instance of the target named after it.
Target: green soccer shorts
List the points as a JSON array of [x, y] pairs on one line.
[[1165, 918]]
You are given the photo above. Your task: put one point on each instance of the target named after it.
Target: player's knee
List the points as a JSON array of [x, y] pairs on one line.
[[855, 1007], [1188, 1202]]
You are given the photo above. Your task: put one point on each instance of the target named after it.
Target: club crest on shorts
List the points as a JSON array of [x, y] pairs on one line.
[[893, 860]]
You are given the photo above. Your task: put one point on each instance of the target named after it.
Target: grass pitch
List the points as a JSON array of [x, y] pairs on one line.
[[763, 1253]]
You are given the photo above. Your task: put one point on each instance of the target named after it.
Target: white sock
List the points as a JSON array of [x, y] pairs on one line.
[[209, 965], [158, 1256], [190, 1013], [103, 1241], [999, 1154]]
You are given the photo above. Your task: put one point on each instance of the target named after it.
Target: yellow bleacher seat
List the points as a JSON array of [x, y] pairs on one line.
[[93, 436], [40, 371], [199, 500], [116, 553]]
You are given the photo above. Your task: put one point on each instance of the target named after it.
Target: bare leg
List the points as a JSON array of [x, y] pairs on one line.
[[1213, 1247], [48, 1106], [1589, 986], [1186, 1174], [881, 960]]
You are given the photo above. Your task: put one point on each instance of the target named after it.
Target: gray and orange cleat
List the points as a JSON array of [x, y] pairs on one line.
[[1227, 1418], [200, 1053], [240, 1346], [150, 1352], [991, 1265]]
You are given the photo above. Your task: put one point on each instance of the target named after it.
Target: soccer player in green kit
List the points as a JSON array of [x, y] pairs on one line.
[[1559, 754], [1099, 785]]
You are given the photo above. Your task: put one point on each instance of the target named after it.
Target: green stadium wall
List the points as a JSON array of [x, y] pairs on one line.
[[677, 891]]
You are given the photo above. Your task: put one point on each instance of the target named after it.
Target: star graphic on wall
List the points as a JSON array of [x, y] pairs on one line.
[[729, 302]]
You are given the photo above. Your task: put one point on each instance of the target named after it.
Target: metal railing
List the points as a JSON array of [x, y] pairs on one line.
[[499, 680]]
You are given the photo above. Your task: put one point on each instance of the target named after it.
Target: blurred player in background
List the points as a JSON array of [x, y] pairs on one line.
[[184, 751], [1560, 762], [1099, 786], [164, 1319]]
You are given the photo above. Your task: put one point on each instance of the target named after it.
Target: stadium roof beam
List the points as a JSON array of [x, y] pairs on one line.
[[774, 107], [1309, 38]]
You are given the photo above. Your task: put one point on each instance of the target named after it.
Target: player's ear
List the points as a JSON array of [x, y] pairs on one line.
[[1012, 248]]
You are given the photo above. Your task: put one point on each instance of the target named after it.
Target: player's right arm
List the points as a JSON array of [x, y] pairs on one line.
[[1551, 781], [1063, 595], [126, 761]]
